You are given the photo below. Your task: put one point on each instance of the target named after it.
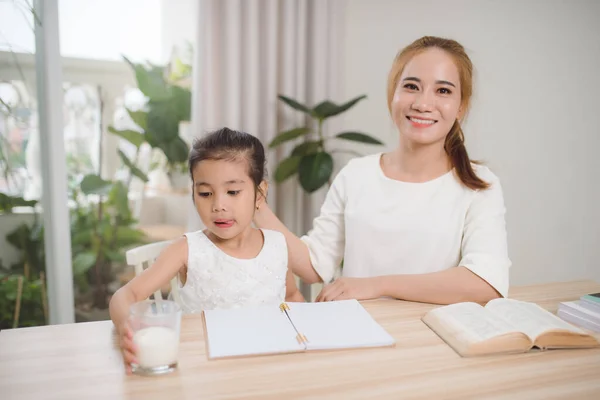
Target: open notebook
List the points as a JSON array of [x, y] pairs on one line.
[[291, 327]]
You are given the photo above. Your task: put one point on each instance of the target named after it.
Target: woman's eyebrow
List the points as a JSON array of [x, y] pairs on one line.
[[439, 82]]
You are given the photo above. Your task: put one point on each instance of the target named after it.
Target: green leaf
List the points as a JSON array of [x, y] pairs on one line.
[[305, 148], [132, 137], [150, 81], [114, 256], [328, 109], [93, 184], [176, 151], [83, 262], [295, 105], [127, 236], [315, 170], [134, 170], [288, 135], [7, 203], [358, 137], [139, 117], [118, 197], [287, 168], [163, 123], [182, 102], [81, 238]]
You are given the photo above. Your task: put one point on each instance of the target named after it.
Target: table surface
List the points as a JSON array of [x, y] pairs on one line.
[[81, 361]]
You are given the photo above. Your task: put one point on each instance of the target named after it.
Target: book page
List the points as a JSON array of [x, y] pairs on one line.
[[249, 331], [470, 322], [529, 318], [338, 325]]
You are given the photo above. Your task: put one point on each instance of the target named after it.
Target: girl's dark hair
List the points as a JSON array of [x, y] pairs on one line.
[[230, 145]]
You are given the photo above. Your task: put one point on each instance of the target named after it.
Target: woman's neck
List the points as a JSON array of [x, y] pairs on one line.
[[416, 163]]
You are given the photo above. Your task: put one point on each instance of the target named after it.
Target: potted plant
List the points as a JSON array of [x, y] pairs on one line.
[[160, 122], [311, 160]]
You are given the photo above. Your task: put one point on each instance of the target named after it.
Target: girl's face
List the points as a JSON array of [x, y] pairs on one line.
[[224, 195], [427, 99]]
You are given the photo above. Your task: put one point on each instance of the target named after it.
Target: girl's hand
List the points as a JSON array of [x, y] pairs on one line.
[[128, 348], [350, 288]]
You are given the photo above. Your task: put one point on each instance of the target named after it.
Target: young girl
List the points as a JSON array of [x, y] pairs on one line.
[[230, 264]]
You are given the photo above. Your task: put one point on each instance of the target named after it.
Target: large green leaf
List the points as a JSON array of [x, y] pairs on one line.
[[176, 151], [163, 123], [287, 168], [93, 184], [150, 81], [358, 137], [307, 148], [315, 170], [288, 135], [83, 262], [7, 203], [118, 197], [295, 105], [134, 170], [132, 137], [182, 102], [328, 109], [140, 118]]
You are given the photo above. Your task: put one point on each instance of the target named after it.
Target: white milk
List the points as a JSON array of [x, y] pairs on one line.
[[156, 346]]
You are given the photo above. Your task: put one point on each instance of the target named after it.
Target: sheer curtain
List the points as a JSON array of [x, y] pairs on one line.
[[249, 51]]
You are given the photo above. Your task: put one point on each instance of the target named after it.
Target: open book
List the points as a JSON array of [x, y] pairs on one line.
[[291, 327], [504, 326]]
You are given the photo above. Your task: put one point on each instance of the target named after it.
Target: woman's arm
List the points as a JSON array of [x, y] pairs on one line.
[[453, 285], [168, 264], [298, 255], [483, 270]]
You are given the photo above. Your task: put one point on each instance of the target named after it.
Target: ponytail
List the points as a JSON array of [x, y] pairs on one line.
[[456, 150]]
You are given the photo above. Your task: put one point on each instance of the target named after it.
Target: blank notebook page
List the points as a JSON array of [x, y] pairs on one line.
[[338, 324], [249, 331]]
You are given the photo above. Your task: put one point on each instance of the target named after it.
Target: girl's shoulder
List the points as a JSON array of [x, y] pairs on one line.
[[274, 238]]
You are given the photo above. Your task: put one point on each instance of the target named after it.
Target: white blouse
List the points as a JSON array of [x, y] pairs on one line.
[[381, 226]]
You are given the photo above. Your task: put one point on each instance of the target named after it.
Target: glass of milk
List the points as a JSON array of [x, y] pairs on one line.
[[155, 326]]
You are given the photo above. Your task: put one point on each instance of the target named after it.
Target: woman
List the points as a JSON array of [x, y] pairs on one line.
[[423, 222]]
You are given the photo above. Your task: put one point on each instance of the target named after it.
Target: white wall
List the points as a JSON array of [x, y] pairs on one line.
[[534, 119]]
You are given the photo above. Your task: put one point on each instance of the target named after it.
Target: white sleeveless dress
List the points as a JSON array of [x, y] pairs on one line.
[[216, 280]]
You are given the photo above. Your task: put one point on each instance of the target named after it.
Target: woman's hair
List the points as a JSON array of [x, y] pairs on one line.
[[229, 145], [455, 140]]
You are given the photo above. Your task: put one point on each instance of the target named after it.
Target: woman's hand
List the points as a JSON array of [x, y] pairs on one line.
[[350, 288], [127, 346]]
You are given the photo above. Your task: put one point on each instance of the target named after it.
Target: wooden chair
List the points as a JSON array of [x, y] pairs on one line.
[[142, 257]]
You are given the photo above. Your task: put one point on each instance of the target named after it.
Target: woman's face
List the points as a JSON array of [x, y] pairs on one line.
[[427, 99]]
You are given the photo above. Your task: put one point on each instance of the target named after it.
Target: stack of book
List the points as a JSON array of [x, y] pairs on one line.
[[584, 312]]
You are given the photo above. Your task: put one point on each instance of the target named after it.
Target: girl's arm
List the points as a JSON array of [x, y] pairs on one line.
[[292, 293], [169, 263], [298, 255]]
